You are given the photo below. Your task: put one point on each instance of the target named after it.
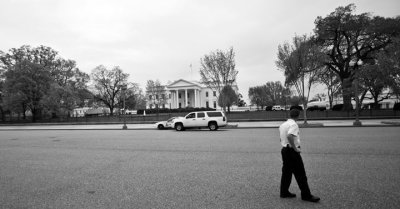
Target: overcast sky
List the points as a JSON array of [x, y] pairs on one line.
[[160, 39]]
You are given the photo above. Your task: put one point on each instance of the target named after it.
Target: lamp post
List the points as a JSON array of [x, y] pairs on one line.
[[124, 87], [357, 122]]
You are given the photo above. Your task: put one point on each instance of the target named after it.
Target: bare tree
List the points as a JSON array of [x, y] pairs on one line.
[[108, 85], [299, 63], [218, 70], [156, 93]]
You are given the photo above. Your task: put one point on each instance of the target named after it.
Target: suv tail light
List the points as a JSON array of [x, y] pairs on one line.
[[223, 118]]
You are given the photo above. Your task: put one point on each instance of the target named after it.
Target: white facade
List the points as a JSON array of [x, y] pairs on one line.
[[183, 93]]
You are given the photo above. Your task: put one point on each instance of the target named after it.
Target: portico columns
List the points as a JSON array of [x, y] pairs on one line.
[[186, 98], [195, 97], [176, 99]]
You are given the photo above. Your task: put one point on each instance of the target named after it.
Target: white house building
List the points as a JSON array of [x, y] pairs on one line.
[[183, 93]]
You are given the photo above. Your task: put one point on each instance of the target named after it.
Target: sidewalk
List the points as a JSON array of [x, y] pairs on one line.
[[258, 124]]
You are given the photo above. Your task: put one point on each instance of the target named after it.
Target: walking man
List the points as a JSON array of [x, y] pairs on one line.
[[292, 161]]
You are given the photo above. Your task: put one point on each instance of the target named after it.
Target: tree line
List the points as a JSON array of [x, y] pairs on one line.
[[351, 54], [38, 80]]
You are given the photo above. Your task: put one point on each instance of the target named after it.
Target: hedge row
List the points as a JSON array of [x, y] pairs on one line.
[[165, 110]]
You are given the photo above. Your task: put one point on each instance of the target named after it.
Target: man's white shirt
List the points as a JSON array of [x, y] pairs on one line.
[[289, 127]]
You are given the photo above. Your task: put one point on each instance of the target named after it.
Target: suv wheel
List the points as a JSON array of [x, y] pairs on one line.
[[179, 127], [160, 127], [213, 126]]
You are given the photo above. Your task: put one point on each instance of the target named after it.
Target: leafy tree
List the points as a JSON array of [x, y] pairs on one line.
[[276, 92], [156, 93], [26, 84], [375, 77], [218, 70], [347, 38], [388, 60], [240, 102], [300, 62], [258, 96], [108, 85], [228, 97], [41, 57], [65, 79], [134, 98], [2, 80], [69, 89]]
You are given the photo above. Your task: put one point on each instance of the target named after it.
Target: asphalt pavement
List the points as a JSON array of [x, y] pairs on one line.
[[235, 168], [251, 124]]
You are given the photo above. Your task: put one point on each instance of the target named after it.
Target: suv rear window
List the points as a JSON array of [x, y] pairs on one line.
[[214, 114]]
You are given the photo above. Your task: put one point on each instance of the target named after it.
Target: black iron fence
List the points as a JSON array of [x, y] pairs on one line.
[[233, 116]]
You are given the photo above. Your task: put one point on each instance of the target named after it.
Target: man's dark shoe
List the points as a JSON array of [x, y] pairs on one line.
[[311, 198], [288, 195]]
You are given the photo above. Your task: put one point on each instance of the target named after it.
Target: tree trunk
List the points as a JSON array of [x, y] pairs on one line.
[[305, 113], [34, 115], [347, 94], [2, 114]]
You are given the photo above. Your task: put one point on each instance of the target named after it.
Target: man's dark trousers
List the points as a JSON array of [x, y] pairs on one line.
[[293, 164]]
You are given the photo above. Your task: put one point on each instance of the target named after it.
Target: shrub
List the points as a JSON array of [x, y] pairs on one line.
[[338, 107], [179, 110], [396, 106], [296, 107]]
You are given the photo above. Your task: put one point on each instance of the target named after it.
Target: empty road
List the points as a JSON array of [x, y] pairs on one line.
[[236, 168]]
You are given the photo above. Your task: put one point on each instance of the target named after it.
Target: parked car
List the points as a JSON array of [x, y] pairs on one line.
[[268, 108], [165, 124], [277, 108], [211, 119]]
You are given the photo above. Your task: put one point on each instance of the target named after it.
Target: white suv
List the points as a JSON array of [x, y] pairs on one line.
[[277, 108], [211, 119]]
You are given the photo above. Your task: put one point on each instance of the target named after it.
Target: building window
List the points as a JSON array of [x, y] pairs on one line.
[[207, 105], [179, 95], [214, 93], [180, 105], [206, 93], [169, 96], [215, 105]]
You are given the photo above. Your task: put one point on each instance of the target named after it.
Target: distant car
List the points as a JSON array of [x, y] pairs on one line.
[[165, 124], [277, 108], [268, 108]]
